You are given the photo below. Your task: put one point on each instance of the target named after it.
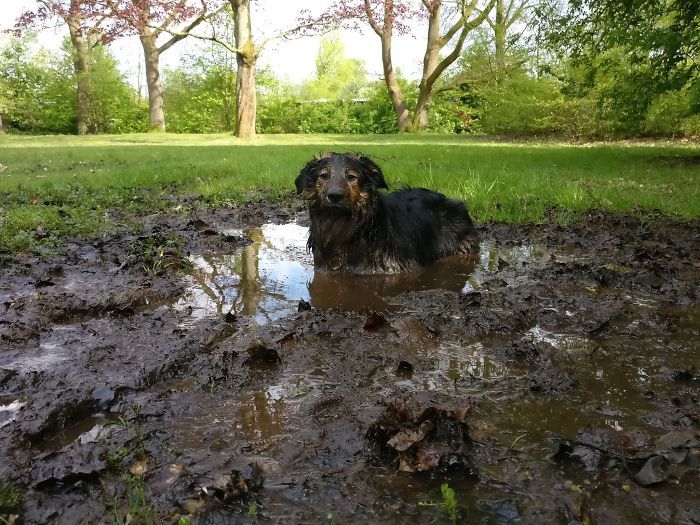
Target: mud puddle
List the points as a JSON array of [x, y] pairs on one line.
[[266, 280], [552, 378]]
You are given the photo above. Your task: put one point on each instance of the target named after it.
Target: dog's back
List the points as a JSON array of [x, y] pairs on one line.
[[426, 225]]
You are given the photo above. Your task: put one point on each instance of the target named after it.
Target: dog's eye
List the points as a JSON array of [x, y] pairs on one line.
[[349, 175], [325, 174]]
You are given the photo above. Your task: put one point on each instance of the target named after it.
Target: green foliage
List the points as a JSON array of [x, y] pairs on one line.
[[287, 114], [200, 96], [337, 77], [39, 91], [114, 106], [37, 95], [158, 255], [448, 504], [10, 498]]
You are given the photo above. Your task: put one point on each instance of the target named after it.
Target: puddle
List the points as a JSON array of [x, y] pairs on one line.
[[86, 431], [266, 280], [9, 409], [454, 361]]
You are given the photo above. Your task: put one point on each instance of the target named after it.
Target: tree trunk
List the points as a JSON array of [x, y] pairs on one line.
[[246, 58], [392, 85], [430, 62], [2, 125], [151, 54], [500, 29], [81, 66]]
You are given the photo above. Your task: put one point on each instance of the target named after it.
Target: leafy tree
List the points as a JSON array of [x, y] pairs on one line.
[[201, 93], [630, 52], [39, 90], [39, 94], [84, 19], [337, 77]]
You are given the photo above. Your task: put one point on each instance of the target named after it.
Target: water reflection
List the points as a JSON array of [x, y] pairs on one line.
[[265, 280]]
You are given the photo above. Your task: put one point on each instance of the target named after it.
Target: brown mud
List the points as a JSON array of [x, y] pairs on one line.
[[553, 378]]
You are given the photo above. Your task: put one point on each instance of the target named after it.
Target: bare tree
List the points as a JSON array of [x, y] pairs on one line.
[[448, 24], [247, 52]]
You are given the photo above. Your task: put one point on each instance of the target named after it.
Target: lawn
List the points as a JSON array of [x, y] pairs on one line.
[[53, 186]]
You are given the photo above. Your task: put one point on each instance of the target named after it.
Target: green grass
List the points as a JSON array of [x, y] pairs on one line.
[[53, 186]]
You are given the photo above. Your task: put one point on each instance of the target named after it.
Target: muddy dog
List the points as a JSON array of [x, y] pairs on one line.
[[357, 229]]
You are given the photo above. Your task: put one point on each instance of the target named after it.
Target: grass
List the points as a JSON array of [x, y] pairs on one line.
[[53, 186], [446, 506]]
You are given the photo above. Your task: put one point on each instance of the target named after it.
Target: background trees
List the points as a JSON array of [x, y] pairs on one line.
[[576, 68]]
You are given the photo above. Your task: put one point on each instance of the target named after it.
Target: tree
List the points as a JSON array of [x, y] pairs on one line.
[[507, 13], [247, 52], [150, 19], [337, 76], [201, 93], [659, 36], [84, 19], [448, 25]]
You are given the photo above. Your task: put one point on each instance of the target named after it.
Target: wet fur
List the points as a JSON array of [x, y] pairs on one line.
[[356, 228]]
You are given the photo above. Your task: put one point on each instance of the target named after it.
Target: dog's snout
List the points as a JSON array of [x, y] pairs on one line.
[[335, 196]]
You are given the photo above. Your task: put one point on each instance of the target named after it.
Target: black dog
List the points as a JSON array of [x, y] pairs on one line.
[[355, 228]]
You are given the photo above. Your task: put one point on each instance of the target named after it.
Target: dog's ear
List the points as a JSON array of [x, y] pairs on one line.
[[373, 173], [307, 176]]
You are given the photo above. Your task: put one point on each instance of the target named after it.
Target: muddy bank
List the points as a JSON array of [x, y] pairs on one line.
[[202, 371]]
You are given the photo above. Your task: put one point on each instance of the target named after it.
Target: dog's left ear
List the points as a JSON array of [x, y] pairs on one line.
[[373, 173], [306, 178]]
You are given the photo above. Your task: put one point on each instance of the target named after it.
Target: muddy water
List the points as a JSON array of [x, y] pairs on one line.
[[552, 378], [266, 280]]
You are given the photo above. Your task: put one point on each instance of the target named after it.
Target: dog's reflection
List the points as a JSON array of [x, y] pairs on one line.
[[355, 292]]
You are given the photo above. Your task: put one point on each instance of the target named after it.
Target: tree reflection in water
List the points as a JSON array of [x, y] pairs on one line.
[[265, 280]]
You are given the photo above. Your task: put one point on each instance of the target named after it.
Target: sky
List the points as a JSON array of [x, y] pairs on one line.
[[293, 60]]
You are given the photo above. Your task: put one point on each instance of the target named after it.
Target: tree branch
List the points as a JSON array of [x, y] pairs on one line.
[[179, 35], [373, 21]]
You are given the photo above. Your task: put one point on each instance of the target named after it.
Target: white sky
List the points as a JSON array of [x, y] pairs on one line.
[[290, 59]]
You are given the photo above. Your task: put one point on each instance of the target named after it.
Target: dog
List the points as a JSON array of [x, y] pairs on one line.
[[355, 228]]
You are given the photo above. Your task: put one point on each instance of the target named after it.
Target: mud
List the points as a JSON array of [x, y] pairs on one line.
[[553, 378]]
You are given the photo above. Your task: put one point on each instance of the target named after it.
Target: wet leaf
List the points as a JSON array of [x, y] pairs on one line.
[[405, 438], [139, 468], [428, 456]]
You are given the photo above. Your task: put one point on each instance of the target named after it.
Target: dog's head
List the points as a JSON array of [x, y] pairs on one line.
[[340, 181]]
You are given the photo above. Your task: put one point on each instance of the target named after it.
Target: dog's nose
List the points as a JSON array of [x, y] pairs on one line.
[[335, 197]]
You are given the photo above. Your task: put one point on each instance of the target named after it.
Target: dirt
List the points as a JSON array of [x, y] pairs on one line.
[[553, 378]]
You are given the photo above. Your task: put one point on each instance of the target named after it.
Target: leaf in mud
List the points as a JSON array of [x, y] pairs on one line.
[[428, 456], [139, 468], [655, 470], [677, 444], [375, 321], [480, 430], [405, 438], [261, 353]]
